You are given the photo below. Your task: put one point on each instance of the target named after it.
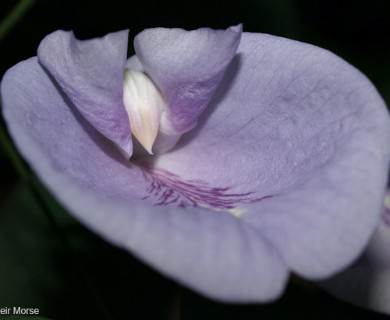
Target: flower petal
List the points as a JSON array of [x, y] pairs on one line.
[[187, 66], [213, 253], [298, 127], [91, 74]]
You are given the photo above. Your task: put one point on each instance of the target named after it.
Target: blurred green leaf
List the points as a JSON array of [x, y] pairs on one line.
[[14, 17]]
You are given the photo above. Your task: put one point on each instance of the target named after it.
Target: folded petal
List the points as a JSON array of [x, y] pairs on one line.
[[187, 66], [91, 75], [367, 282], [377, 254], [299, 128], [212, 252]]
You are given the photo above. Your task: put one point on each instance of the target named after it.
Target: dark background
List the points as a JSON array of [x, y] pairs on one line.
[[81, 277]]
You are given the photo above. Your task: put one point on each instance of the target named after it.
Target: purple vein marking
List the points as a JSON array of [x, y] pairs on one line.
[[169, 188]]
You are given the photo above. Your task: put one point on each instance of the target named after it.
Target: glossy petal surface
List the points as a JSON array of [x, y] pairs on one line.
[[91, 74]]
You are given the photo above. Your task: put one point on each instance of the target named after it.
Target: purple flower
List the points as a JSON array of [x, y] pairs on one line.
[[367, 282], [271, 155]]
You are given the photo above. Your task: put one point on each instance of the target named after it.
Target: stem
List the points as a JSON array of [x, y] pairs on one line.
[[14, 17], [175, 312]]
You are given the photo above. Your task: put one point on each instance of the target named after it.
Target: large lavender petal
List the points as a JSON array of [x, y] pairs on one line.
[[212, 252], [305, 132], [91, 74], [187, 66]]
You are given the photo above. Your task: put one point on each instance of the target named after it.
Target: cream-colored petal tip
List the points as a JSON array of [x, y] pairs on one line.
[[144, 105]]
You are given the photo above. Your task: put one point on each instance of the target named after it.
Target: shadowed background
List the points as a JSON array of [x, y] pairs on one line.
[[86, 278]]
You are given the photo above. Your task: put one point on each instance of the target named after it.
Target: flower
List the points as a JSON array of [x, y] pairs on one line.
[[367, 282], [271, 154]]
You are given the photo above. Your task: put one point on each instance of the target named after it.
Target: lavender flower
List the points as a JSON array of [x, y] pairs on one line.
[[269, 155]]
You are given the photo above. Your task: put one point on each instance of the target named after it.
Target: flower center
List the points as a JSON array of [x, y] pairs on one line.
[[144, 105]]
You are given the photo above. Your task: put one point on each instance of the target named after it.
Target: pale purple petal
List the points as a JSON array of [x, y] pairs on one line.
[[187, 66], [298, 127], [211, 252], [91, 74]]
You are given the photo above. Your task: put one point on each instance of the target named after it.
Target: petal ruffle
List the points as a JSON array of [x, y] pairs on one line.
[[298, 127], [187, 66], [214, 253], [91, 74], [367, 282]]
